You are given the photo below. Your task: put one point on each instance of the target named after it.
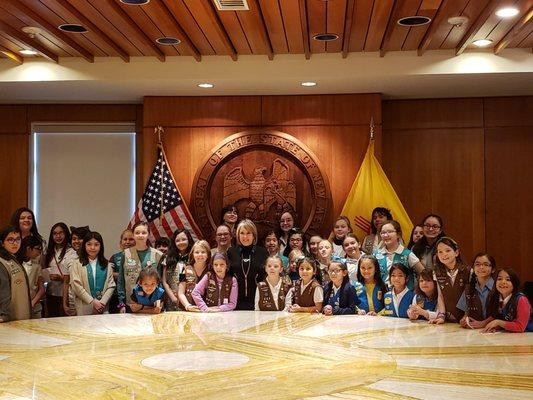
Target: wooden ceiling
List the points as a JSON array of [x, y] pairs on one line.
[[270, 27]]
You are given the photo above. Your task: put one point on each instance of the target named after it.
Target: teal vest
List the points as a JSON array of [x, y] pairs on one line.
[[403, 258], [97, 288]]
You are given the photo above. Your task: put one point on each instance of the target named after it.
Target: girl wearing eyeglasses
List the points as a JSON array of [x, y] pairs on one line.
[[478, 293], [426, 247], [15, 302], [394, 252], [340, 297]]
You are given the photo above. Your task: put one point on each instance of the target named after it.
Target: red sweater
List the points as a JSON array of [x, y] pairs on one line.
[[522, 316]]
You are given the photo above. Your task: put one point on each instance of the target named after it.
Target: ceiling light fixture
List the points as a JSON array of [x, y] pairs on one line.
[[308, 84], [31, 31], [326, 37], [73, 28], [507, 12], [28, 52], [414, 20], [135, 2], [458, 21], [168, 41], [482, 42], [206, 85]]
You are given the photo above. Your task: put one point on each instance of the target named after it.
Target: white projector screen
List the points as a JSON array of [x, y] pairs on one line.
[[84, 176]]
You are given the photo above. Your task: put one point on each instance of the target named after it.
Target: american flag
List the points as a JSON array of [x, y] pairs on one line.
[[161, 204]]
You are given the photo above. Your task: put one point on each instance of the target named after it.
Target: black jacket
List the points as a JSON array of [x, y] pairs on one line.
[[238, 256], [347, 300]]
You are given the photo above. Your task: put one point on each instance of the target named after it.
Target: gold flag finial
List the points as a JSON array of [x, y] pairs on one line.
[[371, 128], [159, 130]]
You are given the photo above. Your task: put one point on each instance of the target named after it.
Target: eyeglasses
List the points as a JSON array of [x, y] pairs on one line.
[[13, 240], [334, 271], [485, 264], [383, 233], [428, 226], [297, 240], [222, 234]]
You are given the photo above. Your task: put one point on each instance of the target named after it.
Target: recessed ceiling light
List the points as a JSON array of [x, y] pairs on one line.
[[326, 37], [308, 84], [458, 21], [507, 12], [73, 28], [206, 85], [482, 42], [414, 20], [28, 52], [168, 41], [135, 2]]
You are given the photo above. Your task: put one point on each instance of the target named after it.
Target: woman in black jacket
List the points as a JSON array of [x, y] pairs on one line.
[[247, 263]]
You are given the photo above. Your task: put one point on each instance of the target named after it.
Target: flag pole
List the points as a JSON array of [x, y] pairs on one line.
[[159, 130]]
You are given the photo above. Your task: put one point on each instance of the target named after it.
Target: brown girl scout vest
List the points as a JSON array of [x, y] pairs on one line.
[[132, 268], [173, 281], [266, 299], [20, 306], [452, 293], [214, 293], [305, 299], [190, 282], [473, 302]]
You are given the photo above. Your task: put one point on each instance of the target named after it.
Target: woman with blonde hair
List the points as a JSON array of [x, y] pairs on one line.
[[247, 261]]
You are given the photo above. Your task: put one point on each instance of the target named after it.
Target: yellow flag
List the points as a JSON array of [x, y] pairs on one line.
[[372, 189]]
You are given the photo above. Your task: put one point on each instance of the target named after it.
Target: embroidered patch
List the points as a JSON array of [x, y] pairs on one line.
[[388, 300], [380, 295]]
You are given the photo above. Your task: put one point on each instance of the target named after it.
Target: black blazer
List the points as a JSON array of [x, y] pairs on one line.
[[347, 300], [256, 273]]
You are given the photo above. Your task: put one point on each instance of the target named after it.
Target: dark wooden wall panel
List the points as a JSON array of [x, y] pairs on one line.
[[440, 171], [510, 196], [14, 177], [467, 160], [99, 113], [508, 111], [334, 127], [433, 114], [314, 110]]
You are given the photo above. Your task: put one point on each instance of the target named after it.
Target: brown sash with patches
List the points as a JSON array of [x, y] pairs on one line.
[[20, 306], [266, 299], [190, 281], [305, 299], [214, 293], [452, 293]]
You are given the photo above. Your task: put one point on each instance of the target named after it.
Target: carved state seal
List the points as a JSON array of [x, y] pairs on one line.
[[263, 173]]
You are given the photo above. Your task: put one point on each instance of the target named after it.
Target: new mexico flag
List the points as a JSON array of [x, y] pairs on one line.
[[372, 189]]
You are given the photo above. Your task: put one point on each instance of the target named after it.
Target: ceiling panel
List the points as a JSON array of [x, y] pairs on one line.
[[269, 27]]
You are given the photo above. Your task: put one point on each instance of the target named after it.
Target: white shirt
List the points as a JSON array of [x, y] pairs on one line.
[[452, 274], [273, 289], [92, 264], [353, 265], [397, 299], [55, 288]]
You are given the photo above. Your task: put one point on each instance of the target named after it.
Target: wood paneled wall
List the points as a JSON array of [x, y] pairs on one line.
[[334, 127], [15, 134], [467, 160]]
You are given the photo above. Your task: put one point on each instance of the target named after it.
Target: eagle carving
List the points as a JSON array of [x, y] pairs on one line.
[[261, 193]]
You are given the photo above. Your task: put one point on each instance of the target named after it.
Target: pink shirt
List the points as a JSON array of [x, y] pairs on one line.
[[522, 316], [200, 288]]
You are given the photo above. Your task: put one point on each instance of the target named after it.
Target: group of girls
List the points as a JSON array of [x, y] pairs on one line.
[[340, 275]]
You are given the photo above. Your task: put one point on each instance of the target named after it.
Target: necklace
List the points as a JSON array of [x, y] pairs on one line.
[[245, 273]]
